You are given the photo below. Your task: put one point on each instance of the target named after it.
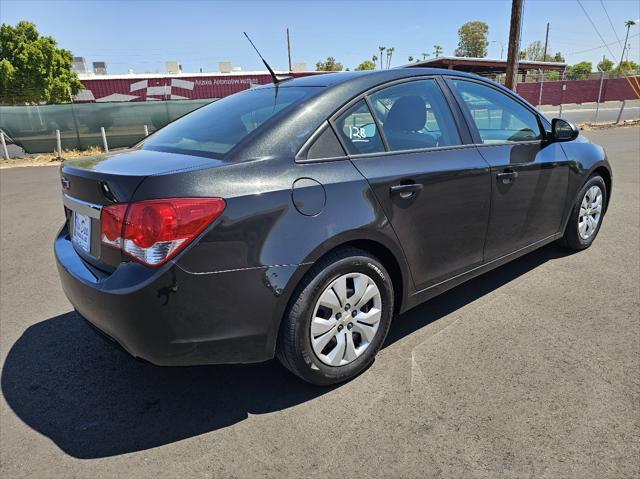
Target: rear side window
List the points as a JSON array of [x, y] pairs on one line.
[[499, 119], [358, 130], [415, 115], [216, 128], [325, 146]]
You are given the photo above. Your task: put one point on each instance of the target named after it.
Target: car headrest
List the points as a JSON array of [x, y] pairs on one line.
[[408, 113]]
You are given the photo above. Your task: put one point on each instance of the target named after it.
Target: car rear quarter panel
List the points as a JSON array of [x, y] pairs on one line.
[[261, 228]]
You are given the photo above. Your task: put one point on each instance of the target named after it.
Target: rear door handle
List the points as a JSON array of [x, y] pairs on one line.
[[507, 176], [405, 191]]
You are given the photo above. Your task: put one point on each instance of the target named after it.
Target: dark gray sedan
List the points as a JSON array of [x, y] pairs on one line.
[[296, 220]]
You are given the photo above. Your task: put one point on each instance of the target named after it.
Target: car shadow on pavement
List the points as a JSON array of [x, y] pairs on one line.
[[94, 400]]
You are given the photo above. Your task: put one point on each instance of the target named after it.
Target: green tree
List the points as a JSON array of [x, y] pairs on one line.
[[535, 52], [410, 58], [366, 65], [627, 66], [605, 65], [329, 66], [579, 71], [33, 69], [382, 49], [473, 40], [437, 50], [390, 51], [424, 55]]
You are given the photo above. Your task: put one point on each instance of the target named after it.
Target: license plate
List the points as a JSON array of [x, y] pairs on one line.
[[82, 231]]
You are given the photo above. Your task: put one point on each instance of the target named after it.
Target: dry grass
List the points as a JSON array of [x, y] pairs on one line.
[[48, 159], [604, 126]]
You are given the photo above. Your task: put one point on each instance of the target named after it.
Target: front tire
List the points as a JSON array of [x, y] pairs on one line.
[[587, 215], [338, 319]]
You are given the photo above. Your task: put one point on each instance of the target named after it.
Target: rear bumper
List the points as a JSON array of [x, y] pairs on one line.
[[171, 317]]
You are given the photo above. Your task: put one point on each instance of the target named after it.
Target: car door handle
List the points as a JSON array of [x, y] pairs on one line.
[[405, 191], [507, 176]]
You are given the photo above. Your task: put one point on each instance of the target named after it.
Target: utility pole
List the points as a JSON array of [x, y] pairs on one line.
[[546, 43], [514, 44], [289, 49], [628, 24]]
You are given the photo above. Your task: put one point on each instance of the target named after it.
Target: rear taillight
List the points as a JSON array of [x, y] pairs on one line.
[[154, 231]]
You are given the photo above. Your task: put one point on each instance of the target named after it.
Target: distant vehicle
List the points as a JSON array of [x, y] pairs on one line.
[[298, 219]]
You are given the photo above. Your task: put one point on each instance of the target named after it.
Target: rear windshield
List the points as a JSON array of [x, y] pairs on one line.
[[216, 128]]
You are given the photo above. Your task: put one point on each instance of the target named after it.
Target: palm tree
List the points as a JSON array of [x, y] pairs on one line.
[[374, 59], [628, 24], [410, 58], [382, 49], [424, 55], [437, 50], [390, 51]]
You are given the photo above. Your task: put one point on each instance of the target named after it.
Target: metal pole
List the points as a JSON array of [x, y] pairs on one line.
[[289, 49], [546, 43], [514, 44], [620, 112], [146, 130], [560, 111], [104, 139], [541, 85], [58, 144], [75, 121], [595, 120], [5, 152]]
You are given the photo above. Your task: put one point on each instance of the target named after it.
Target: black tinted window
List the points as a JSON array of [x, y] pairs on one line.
[[216, 128], [358, 130], [415, 115], [499, 119], [325, 146]]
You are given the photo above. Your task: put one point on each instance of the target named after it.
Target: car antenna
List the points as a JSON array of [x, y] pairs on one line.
[[276, 79]]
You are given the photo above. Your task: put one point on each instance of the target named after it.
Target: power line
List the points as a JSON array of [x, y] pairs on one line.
[[611, 23], [599, 46], [604, 42]]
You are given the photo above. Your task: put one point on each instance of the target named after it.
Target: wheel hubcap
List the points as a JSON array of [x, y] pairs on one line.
[[346, 319], [590, 212]]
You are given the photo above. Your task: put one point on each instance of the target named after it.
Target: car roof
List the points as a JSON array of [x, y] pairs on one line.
[[373, 77]]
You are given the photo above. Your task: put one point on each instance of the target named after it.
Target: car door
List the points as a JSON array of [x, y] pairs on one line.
[[529, 175], [433, 185]]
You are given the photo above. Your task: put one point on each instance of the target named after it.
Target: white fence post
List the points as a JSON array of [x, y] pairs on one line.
[[5, 152], [58, 144], [146, 130], [104, 140]]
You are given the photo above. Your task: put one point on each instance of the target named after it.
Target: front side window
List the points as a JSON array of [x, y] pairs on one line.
[[415, 115], [216, 128], [499, 119], [358, 130]]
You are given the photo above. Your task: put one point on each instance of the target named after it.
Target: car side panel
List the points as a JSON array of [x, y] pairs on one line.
[[261, 227], [584, 158]]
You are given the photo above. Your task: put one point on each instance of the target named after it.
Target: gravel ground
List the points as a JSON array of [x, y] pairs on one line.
[[532, 370]]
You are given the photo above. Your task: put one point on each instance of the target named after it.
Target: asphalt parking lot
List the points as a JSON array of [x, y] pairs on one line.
[[532, 370]]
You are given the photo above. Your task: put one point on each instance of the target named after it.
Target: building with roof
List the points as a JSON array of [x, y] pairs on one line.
[[487, 67]]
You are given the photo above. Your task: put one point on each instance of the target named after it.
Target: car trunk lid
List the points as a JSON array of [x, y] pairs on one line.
[[88, 184]]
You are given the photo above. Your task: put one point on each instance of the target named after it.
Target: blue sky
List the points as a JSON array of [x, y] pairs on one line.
[[143, 34]]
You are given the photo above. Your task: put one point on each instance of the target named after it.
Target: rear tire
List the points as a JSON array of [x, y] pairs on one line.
[[320, 339], [586, 215]]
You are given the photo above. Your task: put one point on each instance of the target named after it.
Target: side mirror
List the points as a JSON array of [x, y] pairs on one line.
[[562, 130]]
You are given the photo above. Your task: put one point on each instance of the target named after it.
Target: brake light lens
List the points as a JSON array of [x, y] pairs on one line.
[[154, 231]]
